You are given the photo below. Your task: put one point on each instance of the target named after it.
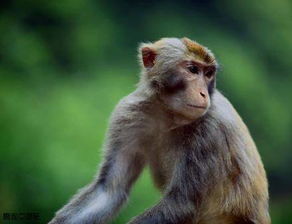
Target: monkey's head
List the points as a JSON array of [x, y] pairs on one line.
[[181, 74]]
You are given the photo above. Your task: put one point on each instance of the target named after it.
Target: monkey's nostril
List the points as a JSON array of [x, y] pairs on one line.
[[202, 94]]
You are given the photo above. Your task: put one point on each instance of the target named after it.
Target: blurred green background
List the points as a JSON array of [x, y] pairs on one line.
[[65, 64]]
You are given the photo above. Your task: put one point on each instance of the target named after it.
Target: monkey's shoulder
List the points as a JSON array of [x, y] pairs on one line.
[[131, 110], [223, 112], [133, 103], [223, 120]]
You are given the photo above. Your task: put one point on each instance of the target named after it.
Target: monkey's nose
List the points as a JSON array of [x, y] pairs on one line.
[[203, 94]]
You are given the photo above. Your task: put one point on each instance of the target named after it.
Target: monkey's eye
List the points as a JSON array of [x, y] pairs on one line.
[[209, 74], [193, 69]]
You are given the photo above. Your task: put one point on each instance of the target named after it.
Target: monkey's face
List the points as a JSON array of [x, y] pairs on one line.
[[186, 89], [183, 74]]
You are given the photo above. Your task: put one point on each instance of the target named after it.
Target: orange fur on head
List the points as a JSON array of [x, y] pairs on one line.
[[201, 52]]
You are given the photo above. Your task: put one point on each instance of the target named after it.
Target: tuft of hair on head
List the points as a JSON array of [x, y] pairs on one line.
[[199, 51]]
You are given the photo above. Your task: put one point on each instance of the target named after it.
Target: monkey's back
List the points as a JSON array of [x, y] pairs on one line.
[[244, 190]]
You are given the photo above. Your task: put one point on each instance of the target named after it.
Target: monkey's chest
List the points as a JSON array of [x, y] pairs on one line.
[[161, 161]]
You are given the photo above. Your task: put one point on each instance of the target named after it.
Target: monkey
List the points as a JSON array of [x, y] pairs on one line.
[[201, 155]]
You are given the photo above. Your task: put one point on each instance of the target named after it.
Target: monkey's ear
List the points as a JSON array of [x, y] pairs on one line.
[[148, 56]]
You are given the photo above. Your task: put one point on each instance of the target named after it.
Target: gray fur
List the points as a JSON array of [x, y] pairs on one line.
[[208, 170]]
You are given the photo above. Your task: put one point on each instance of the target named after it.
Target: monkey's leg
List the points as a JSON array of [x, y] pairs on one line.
[[100, 201]]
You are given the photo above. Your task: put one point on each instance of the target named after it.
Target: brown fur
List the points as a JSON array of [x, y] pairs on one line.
[[199, 51]]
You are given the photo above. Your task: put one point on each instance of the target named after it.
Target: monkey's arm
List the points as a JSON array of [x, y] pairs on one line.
[[101, 200]]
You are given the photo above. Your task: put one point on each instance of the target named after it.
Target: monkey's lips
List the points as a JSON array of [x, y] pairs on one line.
[[196, 106]]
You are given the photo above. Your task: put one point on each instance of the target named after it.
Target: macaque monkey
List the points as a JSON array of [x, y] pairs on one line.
[[199, 151]]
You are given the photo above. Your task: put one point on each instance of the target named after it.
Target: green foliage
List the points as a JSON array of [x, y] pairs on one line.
[[65, 64]]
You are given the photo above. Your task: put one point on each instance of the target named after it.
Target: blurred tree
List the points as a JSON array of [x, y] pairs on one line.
[[65, 64]]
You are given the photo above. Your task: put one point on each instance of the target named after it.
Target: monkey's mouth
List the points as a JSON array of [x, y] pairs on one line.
[[196, 106]]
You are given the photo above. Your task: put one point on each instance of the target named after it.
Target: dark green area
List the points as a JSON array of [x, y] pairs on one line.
[[65, 64]]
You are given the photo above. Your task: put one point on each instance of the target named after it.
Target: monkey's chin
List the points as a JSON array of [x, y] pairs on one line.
[[187, 117]]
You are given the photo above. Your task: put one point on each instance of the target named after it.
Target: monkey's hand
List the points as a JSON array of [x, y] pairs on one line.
[[168, 211]]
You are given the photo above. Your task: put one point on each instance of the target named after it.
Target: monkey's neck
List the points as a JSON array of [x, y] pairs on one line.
[[179, 121]]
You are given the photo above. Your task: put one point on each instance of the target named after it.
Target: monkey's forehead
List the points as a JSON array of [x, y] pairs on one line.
[[188, 48], [200, 52]]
